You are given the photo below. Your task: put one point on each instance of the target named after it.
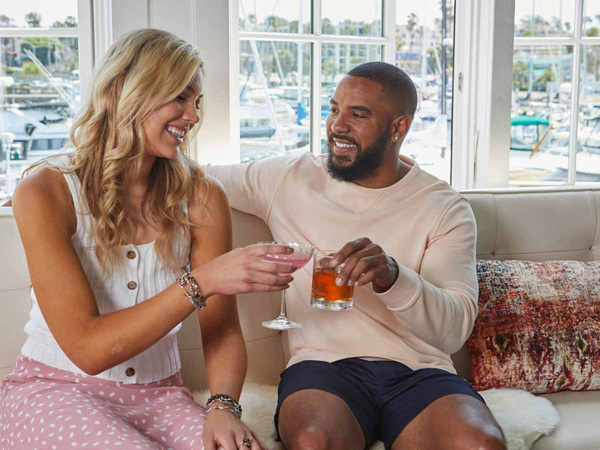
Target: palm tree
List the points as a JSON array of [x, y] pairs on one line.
[[5, 21], [413, 20], [33, 19]]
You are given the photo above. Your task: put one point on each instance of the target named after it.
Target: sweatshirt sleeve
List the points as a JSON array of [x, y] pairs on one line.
[[439, 304], [251, 187]]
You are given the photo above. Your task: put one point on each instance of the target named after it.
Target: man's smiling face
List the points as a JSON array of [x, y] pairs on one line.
[[358, 129]]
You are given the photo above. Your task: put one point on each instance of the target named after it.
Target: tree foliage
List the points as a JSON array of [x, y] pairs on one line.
[[30, 68], [412, 22], [520, 76], [33, 19], [6, 21], [70, 22]]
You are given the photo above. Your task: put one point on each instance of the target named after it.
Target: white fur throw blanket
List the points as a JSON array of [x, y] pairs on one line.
[[522, 416]]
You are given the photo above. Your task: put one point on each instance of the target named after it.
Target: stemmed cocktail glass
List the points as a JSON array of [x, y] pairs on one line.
[[302, 255]]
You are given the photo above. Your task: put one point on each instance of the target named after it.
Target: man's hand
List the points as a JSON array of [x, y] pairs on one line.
[[366, 262]]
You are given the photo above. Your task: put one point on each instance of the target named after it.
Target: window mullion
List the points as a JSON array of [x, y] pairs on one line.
[[86, 45], [39, 32], [389, 30], [574, 119], [103, 27], [315, 89], [317, 19], [315, 105], [329, 38], [543, 41], [465, 91], [271, 36]]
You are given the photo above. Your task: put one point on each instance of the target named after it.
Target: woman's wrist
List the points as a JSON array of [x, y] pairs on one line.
[[225, 409], [223, 402], [191, 290], [203, 279]]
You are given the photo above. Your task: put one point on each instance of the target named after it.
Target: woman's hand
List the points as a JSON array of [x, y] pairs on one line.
[[223, 430], [243, 270]]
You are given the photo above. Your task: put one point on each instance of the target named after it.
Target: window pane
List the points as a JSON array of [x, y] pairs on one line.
[[341, 17], [425, 56], [274, 102], [544, 17], [539, 132], [588, 135], [37, 13], [591, 18], [280, 16], [37, 109], [337, 60]]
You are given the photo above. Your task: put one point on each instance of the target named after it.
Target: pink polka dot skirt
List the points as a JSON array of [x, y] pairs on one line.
[[46, 408]]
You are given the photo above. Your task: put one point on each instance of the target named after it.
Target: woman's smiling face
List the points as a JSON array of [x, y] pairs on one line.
[[166, 127]]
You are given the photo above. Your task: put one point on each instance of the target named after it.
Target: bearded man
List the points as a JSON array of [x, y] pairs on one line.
[[382, 370]]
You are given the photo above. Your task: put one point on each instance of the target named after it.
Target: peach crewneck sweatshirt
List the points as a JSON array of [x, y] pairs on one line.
[[420, 221]]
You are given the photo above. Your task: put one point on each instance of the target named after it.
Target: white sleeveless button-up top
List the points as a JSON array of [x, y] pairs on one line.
[[142, 278]]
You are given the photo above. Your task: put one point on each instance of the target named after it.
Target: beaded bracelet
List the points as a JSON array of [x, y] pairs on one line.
[[227, 400], [195, 296]]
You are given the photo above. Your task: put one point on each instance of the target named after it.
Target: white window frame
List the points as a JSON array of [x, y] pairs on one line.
[[387, 41], [482, 93], [215, 31], [482, 108], [577, 42], [83, 33]]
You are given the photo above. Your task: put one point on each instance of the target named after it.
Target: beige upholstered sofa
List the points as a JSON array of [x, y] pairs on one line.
[[534, 225]]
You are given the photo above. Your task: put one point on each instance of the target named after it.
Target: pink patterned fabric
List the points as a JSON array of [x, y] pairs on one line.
[[46, 408], [538, 327]]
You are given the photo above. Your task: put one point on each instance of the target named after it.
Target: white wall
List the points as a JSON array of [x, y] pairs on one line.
[[205, 24], [494, 92], [482, 93]]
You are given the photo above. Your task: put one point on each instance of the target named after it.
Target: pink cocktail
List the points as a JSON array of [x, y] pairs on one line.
[[298, 258], [301, 255]]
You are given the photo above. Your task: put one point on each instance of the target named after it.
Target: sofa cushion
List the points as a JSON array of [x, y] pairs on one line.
[[579, 418], [538, 327]]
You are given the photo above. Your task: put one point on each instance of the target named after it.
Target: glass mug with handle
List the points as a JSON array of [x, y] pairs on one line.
[[325, 293]]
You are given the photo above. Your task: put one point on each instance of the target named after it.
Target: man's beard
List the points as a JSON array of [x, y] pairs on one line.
[[366, 161]]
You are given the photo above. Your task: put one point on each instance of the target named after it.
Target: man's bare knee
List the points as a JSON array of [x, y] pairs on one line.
[[477, 439], [307, 439]]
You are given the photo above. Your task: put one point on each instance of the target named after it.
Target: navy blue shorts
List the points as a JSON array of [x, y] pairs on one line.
[[383, 395]]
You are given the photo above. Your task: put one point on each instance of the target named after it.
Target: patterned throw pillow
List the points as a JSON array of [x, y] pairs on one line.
[[538, 327]]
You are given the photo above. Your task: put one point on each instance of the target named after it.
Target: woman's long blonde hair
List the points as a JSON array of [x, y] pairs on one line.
[[141, 71]]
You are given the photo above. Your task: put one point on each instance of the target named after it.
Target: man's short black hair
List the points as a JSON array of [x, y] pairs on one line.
[[398, 88]]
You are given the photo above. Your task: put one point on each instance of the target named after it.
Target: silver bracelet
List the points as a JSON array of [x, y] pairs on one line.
[[232, 405], [195, 296], [233, 411]]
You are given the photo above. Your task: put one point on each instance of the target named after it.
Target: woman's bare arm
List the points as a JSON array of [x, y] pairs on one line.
[[46, 220], [223, 343]]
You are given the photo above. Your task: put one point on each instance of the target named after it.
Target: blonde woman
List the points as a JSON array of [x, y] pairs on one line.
[[108, 231]]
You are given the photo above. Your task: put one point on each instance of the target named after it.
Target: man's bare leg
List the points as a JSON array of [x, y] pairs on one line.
[[312, 419], [451, 423]]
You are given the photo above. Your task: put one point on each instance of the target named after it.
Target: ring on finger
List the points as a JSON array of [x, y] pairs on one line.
[[246, 442]]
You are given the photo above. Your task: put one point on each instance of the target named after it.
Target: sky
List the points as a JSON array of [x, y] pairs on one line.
[[336, 10], [552, 8], [340, 10], [51, 10]]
